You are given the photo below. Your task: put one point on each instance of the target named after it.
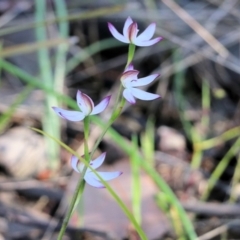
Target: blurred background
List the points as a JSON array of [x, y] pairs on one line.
[[49, 49]]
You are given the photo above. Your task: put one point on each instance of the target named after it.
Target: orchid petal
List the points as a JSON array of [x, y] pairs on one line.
[[129, 67], [129, 96], [128, 22], [69, 115], [147, 43], [91, 180], [132, 32], [107, 175], [116, 34], [128, 76], [147, 33], [74, 163], [144, 81], [98, 161], [85, 103], [140, 94], [101, 106]]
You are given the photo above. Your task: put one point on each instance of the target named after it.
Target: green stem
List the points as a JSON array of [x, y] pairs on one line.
[[51, 122], [217, 173], [172, 197], [114, 116], [135, 180], [70, 210], [235, 181], [81, 183], [86, 135], [131, 52]]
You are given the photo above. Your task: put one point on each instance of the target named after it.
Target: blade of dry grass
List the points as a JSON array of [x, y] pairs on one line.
[[73, 17], [198, 28], [32, 47]]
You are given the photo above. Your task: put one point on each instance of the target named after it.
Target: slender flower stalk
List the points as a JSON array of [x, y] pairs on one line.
[[81, 184], [131, 52]]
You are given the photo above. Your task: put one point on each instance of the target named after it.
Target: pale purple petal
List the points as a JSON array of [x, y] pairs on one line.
[[116, 34], [147, 43], [101, 106], [128, 76], [85, 103], [69, 115], [108, 175], [128, 22], [144, 81], [147, 34], [128, 96], [98, 161], [74, 163], [92, 180], [140, 94], [132, 32]]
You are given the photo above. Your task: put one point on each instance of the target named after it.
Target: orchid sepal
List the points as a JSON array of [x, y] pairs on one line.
[[101, 106]]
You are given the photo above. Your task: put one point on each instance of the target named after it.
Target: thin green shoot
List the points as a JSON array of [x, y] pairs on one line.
[[136, 181], [7, 115], [235, 181], [198, 136], [179, 79], [206, 104], [61, 50], [164, 204], [222, 165], [216, 141], [148, 142], [127, 148], [51, 122]]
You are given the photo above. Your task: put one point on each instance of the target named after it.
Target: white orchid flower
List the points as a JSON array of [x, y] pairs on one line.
[[90, 177], [130, 31], [130, 81], [86, 107]]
